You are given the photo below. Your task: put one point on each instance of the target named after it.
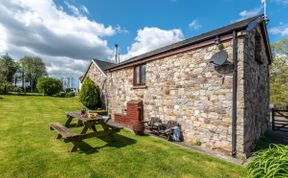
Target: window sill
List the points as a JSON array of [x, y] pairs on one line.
[[139, 87]]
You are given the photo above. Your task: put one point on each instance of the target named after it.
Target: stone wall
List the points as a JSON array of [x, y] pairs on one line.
[[95, 74], [184, 88], [256, 95]]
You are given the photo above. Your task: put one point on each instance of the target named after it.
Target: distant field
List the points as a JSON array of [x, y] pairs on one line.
[[29, 149]]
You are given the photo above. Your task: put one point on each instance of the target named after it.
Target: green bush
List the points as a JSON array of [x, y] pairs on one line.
[[271, 162], [70, 94], [49, 86], [197, 143], [67, 90], [61, 94], [90, 94], [16, 89], [5, 87]]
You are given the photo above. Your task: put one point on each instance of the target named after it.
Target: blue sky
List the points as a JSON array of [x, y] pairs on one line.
[[133, 15], [68, 33]]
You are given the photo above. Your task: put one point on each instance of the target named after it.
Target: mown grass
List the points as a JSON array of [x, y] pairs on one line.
[[29, 149]]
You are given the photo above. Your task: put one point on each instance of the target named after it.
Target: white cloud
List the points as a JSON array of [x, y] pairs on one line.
[[73, 9], [249, 13], [280, 2], [151, 38], [195, 25], [84, 9], [280, 30], [3, 39], [40, 28], [61, 66], [81, 11]]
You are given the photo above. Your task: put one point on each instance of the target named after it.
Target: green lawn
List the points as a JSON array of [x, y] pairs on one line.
[[29, 149]]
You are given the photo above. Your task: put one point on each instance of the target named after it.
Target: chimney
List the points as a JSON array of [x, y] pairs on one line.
[[116, 54]]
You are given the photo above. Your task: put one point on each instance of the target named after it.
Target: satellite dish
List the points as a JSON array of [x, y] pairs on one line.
[[219, 58]]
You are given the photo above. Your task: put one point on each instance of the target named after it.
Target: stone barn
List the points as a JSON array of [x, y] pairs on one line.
[[216, 85]]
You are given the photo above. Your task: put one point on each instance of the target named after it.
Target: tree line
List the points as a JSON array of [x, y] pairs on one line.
[[27, 70], [279, 74]]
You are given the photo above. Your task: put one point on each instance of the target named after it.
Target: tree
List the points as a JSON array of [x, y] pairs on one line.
[[32, 68], [3, 71], [90, 94], [279, 74], [49, 86], [7, 70]]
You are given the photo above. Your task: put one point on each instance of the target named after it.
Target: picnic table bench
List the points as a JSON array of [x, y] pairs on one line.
[[109, 127]]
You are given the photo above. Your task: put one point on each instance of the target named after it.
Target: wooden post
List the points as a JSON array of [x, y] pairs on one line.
[[69, 120]]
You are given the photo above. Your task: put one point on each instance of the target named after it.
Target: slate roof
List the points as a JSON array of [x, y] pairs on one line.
[[241, 25], [103, 64]]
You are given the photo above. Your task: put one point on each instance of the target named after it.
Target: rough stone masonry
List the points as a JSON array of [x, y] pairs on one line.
[[186, 88]]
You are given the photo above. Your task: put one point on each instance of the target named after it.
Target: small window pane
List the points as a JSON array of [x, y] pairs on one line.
[[143, 74], [136, 75]]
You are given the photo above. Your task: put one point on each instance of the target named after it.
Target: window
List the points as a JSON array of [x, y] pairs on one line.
[[140, 75]]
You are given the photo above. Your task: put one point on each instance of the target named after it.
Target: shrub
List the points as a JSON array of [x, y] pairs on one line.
[[16, 89], [67, 90], [272, 162], [61, 94], [27, 89], [70, 94], [5, 87], [49, 86], [90, 94], [197, 143]]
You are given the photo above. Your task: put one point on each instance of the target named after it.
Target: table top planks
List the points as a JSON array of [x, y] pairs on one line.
[[83, 118]]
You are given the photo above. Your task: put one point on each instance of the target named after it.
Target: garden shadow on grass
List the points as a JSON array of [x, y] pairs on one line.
[[116, 140]]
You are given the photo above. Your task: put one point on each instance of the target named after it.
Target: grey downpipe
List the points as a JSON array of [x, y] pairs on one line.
[[234, 95]]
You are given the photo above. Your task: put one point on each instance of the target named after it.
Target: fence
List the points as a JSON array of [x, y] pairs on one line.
[[280, 119]]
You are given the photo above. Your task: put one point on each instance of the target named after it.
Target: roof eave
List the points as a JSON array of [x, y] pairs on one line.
[[262, 22], [84, 76], [267, 42], [180, 47], [241, 26]]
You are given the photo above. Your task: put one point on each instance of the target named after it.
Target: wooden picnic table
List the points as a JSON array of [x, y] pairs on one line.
[[109, 127]]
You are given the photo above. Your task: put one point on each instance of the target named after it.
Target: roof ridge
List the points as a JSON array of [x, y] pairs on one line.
[[95, 59]]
